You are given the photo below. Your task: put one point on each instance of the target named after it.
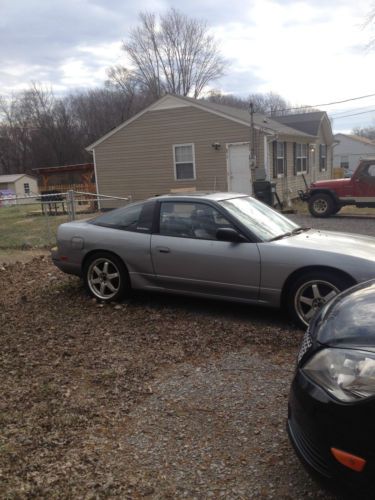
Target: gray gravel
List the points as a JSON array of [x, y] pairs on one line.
[[357, 224], [218, 431]]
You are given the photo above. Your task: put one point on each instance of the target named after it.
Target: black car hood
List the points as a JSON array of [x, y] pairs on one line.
[[349, 319]]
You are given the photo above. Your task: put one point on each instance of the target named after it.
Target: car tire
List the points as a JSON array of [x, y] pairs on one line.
[[106, 277], [311, 291], [321, 205]]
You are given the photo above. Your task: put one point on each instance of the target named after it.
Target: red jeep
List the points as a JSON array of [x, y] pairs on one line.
[[326, 198]]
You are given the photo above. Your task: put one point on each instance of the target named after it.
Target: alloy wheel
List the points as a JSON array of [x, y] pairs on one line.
[[311, 296], [103, 278]]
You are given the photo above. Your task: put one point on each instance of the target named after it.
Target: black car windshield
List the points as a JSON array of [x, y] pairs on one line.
[[261, 220]]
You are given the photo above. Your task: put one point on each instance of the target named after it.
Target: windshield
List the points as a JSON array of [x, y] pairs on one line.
[[260, 219]]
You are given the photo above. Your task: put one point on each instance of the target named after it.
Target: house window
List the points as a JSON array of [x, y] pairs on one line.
[[184, 162], [280, 159], [26, 188], [323, 158], [301, 158], [344, 161]]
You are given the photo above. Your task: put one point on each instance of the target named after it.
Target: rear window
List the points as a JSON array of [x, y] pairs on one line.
[[126, 218]]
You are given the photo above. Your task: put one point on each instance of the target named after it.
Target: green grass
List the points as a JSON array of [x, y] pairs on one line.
[[25, 226]]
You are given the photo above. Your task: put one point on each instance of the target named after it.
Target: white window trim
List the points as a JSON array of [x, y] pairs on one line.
[[301, 172], [280, 176], [175, 163]]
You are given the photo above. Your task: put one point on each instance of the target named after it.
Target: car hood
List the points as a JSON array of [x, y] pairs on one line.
[[314, 240], [349, 319]]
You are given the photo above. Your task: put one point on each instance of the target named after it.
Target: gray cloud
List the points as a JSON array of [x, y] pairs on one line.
[[239, 82], [38, 36], [43, 32]]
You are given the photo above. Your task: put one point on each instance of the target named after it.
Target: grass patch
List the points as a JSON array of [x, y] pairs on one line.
[[25, 226]]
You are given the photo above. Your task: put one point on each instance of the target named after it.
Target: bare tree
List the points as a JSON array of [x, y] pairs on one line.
[[234, 101], [37, 129], [369, 24], [368, 132], [174, 54], [268, 104]]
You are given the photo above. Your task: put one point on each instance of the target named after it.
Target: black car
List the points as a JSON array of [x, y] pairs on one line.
[[331, 414]]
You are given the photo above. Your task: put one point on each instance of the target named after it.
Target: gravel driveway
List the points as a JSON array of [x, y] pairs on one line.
[[357, 224], [160, 397]]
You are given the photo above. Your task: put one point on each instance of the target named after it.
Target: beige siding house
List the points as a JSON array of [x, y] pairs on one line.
[[319, 153], [22, 185], [179, 143]]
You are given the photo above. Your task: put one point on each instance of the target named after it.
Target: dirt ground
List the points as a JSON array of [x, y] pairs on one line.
[[159, 397], [11, 256]]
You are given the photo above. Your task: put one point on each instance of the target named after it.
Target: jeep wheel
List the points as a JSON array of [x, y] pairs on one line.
[[321, 205]]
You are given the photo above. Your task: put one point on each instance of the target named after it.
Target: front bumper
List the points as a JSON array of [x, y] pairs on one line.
[[316, 423], [304, 195]]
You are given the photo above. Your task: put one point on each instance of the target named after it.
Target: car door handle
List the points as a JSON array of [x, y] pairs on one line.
[[163, 249]]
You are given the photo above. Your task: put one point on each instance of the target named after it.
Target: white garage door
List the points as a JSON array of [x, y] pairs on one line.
[[239, 175]]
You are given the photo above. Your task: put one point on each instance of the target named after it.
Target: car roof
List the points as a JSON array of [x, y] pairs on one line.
[[201, 195]]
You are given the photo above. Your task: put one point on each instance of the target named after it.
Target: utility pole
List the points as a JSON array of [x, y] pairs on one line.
[[251, 142]]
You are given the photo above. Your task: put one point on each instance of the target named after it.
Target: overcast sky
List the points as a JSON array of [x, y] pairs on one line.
[[310, 52]]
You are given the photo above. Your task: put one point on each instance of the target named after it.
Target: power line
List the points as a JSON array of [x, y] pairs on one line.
[[329, 103], [370, 107], [353, 114]]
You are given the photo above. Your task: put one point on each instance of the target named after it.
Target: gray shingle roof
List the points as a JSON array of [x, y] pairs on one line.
[[306, 122], [260, 120]]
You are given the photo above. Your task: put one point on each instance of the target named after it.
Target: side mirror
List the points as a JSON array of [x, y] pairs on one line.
[[229, 234]]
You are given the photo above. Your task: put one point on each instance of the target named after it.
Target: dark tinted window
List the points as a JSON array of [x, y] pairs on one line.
[[121, 218]]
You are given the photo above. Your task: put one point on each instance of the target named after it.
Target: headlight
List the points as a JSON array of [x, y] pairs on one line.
[[347, 374]]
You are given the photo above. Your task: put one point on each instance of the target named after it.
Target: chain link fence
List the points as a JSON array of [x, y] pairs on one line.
[[32, 221]]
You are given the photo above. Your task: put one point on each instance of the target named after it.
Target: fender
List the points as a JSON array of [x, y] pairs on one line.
[[332, 193]]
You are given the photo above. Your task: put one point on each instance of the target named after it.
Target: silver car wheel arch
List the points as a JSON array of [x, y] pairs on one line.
[[103, 278], [312, 304]]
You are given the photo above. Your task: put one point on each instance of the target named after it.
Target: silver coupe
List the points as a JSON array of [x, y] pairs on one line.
[[218, 245]]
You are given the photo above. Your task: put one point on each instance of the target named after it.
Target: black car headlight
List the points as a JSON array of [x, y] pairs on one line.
[[349, 375]]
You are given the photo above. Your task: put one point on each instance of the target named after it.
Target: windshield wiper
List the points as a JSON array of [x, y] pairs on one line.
[[298, 230], [280, 237]]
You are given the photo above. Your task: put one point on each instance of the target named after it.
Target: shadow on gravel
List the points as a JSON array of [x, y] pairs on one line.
[[214, 308], [353, 216]]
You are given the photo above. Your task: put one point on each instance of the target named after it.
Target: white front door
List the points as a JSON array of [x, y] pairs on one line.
[[239, 175]]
